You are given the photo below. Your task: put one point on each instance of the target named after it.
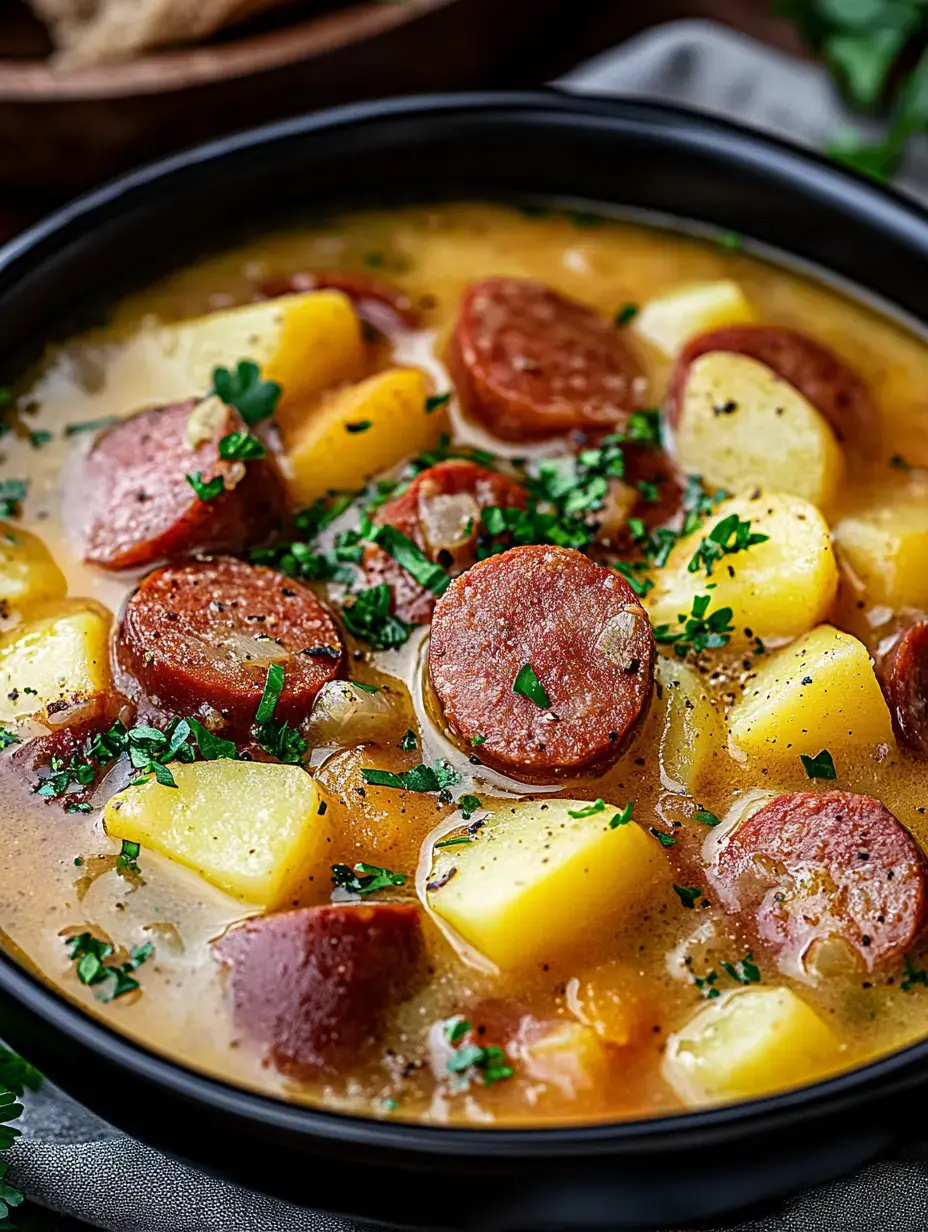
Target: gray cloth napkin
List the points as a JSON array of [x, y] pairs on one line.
[[72, 1162]]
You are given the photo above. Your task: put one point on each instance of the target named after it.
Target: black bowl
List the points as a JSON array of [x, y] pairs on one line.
[[665, 1171]]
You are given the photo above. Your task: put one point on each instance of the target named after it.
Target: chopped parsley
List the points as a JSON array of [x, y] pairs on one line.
[[369, 617], [364, 879], [688, 895], [211, 746], [241, 447], [697, 503], [636, 574], [665, 839], [702, 630], [478, 740], [455, 1029], [626, 314], [454, 842], [730, 535], [409, 743], [587, 810], [729, 241], [411, 558], [39, 437], [436, 401], [705, 818], [90, 425], [206, 489], [273, 687], [622, 817], [419, 778], [822, 766], [469, 805], [361, 425], [912, 976], [744, 972], [12, 495], [8, 737], [528, 685], [244, 389], [128, 859], [299, 559], [706, 984], [109, 979], [898, 463], [489, 1063]]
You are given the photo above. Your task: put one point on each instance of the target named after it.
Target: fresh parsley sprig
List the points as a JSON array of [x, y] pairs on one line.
[[364, 879], [702, 630], [728, 536]]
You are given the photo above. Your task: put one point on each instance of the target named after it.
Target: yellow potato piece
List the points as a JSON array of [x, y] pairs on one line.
[[332, 450], [819, 693], [61, 654], [748, 1043], [741, 424], [536, 880], [780, 588], [252, 829], [887, 550], [669, 320], [307, 343], [28, 573], [693, 732]]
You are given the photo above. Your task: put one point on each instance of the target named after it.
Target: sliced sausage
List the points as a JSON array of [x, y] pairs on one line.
[[440, 512], [529, 363], [823, 379], [819, 865], [905, 683], [377, 302], [581, 631], [205, 633], [141, 508], [313, 985]]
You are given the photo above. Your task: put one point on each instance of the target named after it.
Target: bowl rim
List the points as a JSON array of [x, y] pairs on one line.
[[174, 69], [882, 208]]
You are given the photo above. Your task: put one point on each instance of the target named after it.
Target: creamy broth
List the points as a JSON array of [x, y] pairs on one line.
[[658, 961]]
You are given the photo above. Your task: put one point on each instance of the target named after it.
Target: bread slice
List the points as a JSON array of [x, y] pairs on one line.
[[95, 31]]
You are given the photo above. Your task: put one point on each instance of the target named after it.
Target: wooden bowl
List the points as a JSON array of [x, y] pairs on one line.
[[61, 130]]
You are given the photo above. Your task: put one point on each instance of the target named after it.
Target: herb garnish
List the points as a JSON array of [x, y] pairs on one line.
[[587, 810], [12, 494], [822, 766], [730, 535], [361, 425], [90, 425], [706, 983], [8, 737], [469, 805], [369, 617], [636, 574], [419, 778], [408, 555], [528, 685], [744, 972], [275, 737], [705, 818], [436, 401], [687, 894], [409, 743], [490, 1063], [110, 980], [702, 629], [622, 817], [364, 879], [913, 976], [665, 839], [241, 447], [626, 314], [272, 690], [254, 399], [127, 860], [207, 490]]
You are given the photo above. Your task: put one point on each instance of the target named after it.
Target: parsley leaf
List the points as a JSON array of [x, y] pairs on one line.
[[622, 817], [273, 687], [12, 494], [744, 972], [369, 617], [626, 314], [730, 535], [207, 490], [90, 425], [127, 860], [364, 879], [436, 401], [469, 805], [705, 818], [419, 778], [489, 1063], [912, 976], [282, 741], [211, 746], [243, 389], [702, 630], [409, 743], [432, 576], [588, 810], [8, 737], [241, 447], [361, 426], [665, 839], [688, 895], [528, 685], [822, 766], [111, 980]]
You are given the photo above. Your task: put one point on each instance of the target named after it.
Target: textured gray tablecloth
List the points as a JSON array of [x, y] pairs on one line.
[[72, 1162]]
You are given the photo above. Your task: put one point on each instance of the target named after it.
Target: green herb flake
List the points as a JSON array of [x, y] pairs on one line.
[[127, 860], [706, 984], [730, 241], [588, 810], [12, 495], [39, 437], [665, 839], [273, 687], [622, 817], [8, 737], [364, 879], [460, 841], [206, 490], [411, 558], [244, 389], [822, 766], [409, 743], [705, 818], [744, 972], [626, 314], [369, 617], [420, 778], [241, 447], [730, 535], [912, 976], [90, 425], [477, 740], [528, 685], [110, 980], [436, 401], [702, 630], [361, 425], [469, 805], [688, 895], [455, 1029]]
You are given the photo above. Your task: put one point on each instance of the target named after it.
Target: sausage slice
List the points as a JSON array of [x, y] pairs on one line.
[[205, 633], [440, 512], [905, 683], [819, 865], [140, 507], [581, 631], [823, 379], [530, 363], [313, 986]]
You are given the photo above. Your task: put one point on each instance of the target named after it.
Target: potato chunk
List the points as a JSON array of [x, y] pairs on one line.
[[820, 692], [60, 655], [535, 880], [748, 1043], [778, 589], [668, 320], [693, 731], [741, 424], [360, 431], [251, 828], [307, 343], [887, 549], [28, 573]]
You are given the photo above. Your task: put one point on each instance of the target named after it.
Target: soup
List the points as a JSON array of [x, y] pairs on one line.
[[469, 665]]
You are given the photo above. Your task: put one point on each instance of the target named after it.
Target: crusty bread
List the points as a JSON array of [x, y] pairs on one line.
[[93, 31]]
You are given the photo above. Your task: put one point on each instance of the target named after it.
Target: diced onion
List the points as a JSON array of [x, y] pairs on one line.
[[344, 713], [261, 650], [448, 520], [619, 634], [204, 422]]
